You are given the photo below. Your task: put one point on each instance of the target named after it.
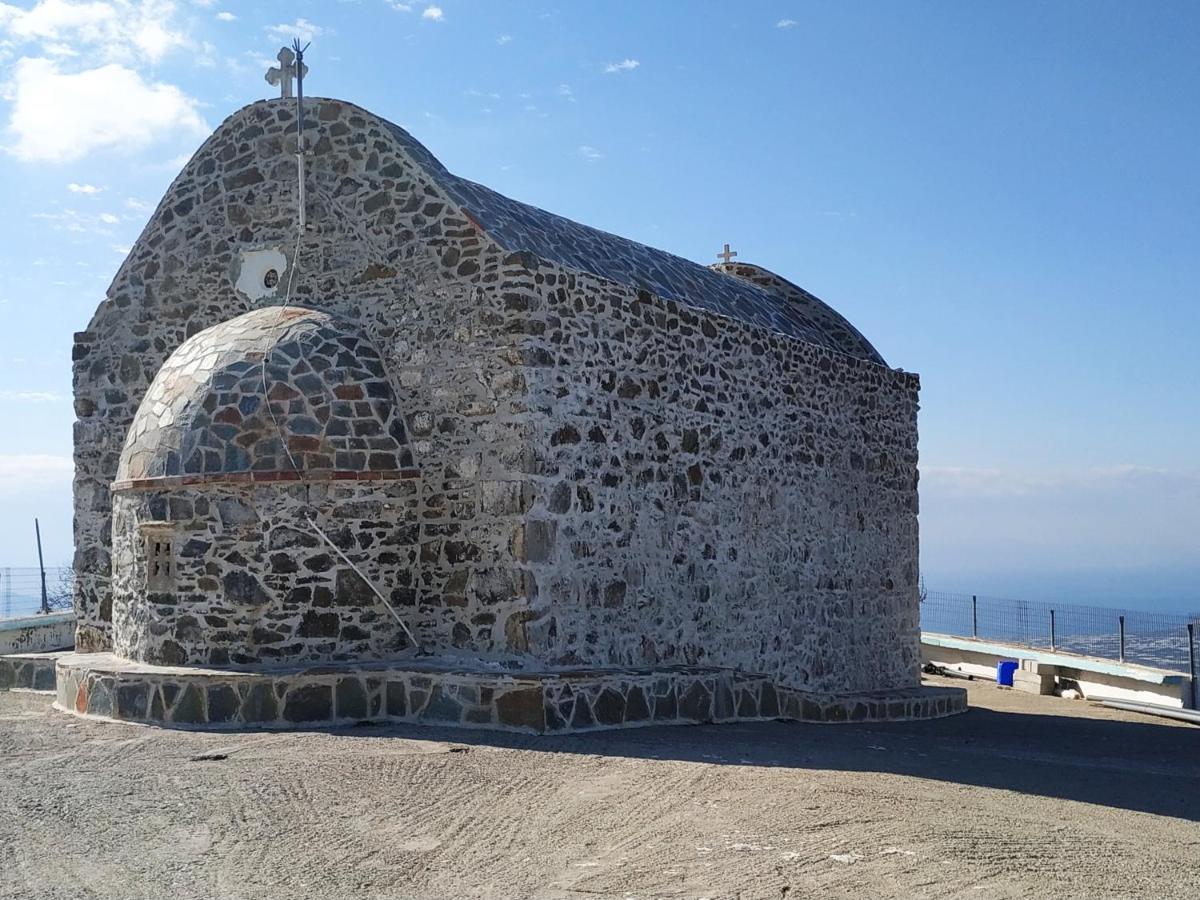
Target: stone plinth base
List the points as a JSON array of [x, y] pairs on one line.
[[413, 690], [29, 671]]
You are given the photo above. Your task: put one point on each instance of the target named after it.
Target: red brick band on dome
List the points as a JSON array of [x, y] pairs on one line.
[[174, 481], [325, 410]]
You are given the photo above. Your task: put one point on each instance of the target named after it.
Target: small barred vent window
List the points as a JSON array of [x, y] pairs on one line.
[[160, 560]]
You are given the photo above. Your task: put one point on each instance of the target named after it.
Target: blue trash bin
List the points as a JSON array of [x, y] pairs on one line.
[[1004, 672]]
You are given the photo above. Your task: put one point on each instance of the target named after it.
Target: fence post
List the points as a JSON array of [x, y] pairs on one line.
[[7, 576], [1121, 629], [41, 567], [1052, 647], [1192, 661], [974, 617]]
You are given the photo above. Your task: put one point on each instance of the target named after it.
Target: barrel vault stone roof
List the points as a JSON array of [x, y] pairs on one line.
[[772, 303], [208, 414]]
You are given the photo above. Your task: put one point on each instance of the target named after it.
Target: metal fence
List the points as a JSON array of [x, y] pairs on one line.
[[21, 591], [1161, 640]]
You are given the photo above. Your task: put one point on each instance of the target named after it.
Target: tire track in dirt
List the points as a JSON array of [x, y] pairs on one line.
[[106, 811]]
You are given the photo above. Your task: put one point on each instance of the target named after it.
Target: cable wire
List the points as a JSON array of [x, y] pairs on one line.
[[287, 299]]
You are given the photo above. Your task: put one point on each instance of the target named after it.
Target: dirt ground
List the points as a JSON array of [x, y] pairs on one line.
[[1021, 797]]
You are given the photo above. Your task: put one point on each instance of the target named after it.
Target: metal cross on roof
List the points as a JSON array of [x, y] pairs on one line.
[[283, 74], [726, 255]]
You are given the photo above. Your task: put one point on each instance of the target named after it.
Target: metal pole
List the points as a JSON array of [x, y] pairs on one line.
[[1152, 709], [1192, 661], [1121, 625], [41, 566], [7, 592], [1052, 630], [300, 128], [974, 617]]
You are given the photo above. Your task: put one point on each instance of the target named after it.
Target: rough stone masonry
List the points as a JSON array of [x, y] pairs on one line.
[[546, 445]]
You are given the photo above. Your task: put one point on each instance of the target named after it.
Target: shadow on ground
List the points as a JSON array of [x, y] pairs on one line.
[[1142, 766]]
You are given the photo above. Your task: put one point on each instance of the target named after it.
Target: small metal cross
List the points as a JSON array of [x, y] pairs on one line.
[[283, 74], [726, 255]]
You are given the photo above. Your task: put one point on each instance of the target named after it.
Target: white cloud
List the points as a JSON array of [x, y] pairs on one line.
[[564, 91], [625, 65], [206, 55], [60, 50], [965, 481], [786, 23], [137, 205], [60, 112], [225, 16], [30, 396], [36, 485], [58, 117], [1123, 515], [591, 154], [399, 6], [301, 28], [23, 473], [83, 188], [177, 162], [258, 62], [154, 40], [433, 14], [78, 223], [504, 39], [120, 31], [54, 19]]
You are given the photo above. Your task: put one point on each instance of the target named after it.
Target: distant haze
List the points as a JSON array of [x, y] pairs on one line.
[[1115, 536]]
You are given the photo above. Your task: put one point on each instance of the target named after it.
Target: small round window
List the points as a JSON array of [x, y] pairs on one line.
[[271, 278]]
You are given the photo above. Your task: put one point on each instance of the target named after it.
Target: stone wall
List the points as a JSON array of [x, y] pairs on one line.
[[254, 583], [711, 493], [606, 477], [387, 251]]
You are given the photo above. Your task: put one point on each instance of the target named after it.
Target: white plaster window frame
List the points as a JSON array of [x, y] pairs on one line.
[[252, 268]]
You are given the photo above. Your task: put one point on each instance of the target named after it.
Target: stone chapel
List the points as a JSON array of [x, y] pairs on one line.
[[443, 456]]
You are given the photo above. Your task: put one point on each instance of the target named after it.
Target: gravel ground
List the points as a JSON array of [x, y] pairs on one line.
[[1021, 797]]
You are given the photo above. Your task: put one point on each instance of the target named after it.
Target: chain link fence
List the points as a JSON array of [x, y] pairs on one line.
[[21, 590], [1153, 639]]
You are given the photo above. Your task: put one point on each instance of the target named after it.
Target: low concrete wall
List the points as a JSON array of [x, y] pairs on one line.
[[37, 634], [1049, 672]]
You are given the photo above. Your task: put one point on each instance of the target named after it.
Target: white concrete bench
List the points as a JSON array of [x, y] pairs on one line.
[[1048, 671]]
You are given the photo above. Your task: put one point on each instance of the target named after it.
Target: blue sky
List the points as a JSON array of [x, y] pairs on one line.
[[1003, 197]]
